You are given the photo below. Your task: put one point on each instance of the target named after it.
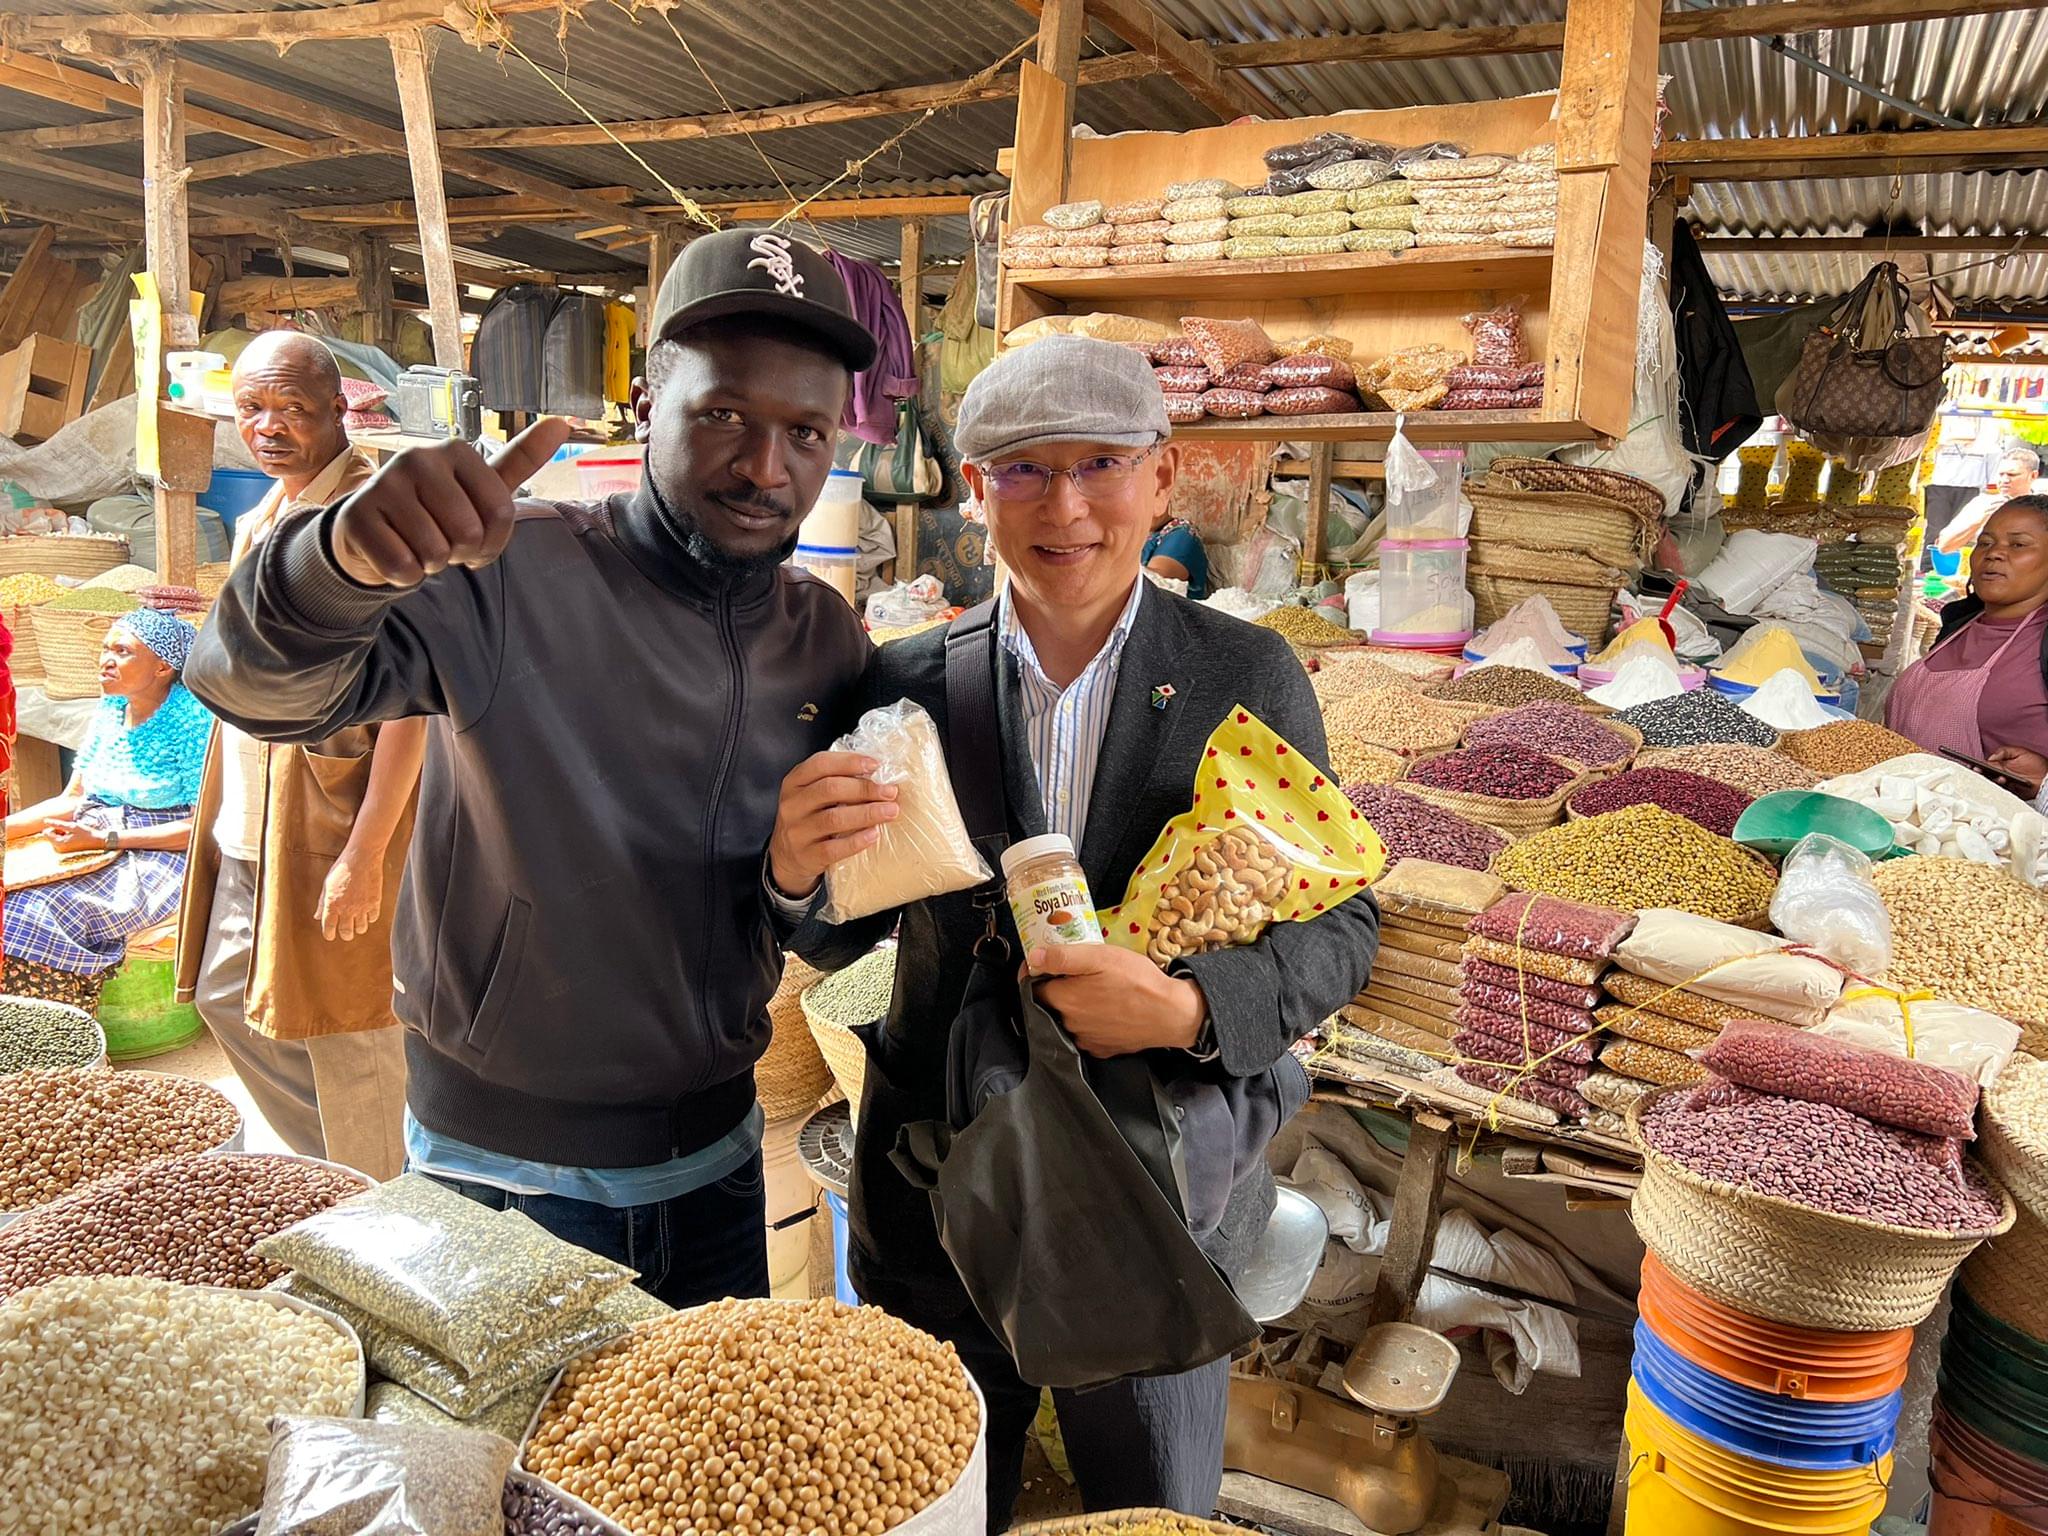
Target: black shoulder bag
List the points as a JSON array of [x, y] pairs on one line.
[[1062, 1233]]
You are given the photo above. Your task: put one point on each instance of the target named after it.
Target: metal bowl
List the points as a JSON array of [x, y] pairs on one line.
[[1282, 1265]]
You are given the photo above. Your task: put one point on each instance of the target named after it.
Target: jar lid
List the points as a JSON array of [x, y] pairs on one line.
[[1019, 854]]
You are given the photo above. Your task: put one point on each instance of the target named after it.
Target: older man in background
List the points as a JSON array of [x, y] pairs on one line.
[[284, 938], [2017, 470]]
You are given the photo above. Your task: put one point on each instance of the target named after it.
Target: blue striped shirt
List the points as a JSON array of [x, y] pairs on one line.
[[1065, 727]]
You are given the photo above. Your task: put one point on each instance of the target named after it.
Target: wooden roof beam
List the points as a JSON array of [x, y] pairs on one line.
[[96, 93], [119, 130], [84, 33], [107, 228], [1869, 245], [249, 161], [1192, 65], [1857, 154]]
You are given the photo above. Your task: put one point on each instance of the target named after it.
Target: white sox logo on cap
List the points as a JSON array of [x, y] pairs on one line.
[[774, 258]]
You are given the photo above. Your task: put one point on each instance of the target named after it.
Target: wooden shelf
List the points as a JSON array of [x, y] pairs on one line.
[[1374, 426], [1431, 269]]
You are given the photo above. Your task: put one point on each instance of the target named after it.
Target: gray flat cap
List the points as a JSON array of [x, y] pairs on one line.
[[1065, 389]]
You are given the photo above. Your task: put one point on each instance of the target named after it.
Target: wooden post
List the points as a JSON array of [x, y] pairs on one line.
[[369, 263], [910, 271], [1315, 545], [423, 151], [1665, 202], [1061, 26], [662, 248], [169, 242], [1411, 1235], [1607, 104]]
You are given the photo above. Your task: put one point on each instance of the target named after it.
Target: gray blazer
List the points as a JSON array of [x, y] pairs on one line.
[[1262, 997]]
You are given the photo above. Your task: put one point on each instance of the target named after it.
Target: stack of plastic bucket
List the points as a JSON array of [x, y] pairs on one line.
[[1989, 1443], [1741, 1425]]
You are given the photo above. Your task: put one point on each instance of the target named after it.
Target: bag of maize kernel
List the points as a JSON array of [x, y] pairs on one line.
[[1268, 838]]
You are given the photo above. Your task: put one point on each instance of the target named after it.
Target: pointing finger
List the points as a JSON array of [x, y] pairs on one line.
[[529, 450]]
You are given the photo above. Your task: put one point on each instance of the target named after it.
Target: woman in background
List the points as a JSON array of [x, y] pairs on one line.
[[130, 798]]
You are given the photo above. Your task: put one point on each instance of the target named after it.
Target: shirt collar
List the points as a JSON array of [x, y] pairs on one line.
[[1017, 641], [344, 472]]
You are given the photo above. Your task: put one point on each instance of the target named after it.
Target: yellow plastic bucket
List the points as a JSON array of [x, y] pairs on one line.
[[1678, 1485]]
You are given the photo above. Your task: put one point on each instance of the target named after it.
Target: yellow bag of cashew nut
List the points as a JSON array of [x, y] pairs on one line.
[[1268, 838]]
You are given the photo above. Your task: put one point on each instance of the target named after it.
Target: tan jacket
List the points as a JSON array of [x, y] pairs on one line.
[[301, 983]]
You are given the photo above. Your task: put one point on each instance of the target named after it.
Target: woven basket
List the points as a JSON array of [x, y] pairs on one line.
[[69, 641], [841, 1048], [26, 664], [1788, 1263], [1517, 818], [48, 554], [2021, 1171], [1569, 523], [1586, 609], [792, 1076], [2004, 1276], [1639, 496], [1112, 1521]]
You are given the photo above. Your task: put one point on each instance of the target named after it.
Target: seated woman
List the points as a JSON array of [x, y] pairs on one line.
[[131, 796], [1174, 550]]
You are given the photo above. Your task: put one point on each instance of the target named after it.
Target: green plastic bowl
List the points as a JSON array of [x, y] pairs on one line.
[[1775, 823]]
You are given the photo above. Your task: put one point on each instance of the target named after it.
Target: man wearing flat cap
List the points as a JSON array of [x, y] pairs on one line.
[[584, 950], [1105, 690]]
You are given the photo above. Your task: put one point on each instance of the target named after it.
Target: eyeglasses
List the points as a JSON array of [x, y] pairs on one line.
[[1098, 477]]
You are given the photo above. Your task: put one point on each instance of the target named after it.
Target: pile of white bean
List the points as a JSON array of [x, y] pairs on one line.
[[133, 1407]]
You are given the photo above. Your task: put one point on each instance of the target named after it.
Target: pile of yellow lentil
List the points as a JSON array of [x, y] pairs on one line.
[[761, 1417], [26, 589], [1305, 627]]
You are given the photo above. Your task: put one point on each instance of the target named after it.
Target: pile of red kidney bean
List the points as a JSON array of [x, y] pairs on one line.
[[1912, 1095], [1412, 828], [1501, 769], [1714, 805]]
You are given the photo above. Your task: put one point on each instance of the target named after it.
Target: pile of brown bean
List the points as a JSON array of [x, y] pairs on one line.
[[1507, 687], [1821, 1157], [1642, 857], [1560, 730], [770, 1418], [61, 1129], [1714, 805], [1395, 718], [1502, 769], [1356, 762], [1753, 770], [1971, 932], [193, 1219], [1845, 746], [1414, 829]]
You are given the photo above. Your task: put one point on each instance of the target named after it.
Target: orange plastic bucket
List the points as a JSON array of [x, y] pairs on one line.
[[1807, 1363]]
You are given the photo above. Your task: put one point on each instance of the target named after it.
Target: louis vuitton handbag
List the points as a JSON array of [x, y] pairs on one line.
[[1869, 372]]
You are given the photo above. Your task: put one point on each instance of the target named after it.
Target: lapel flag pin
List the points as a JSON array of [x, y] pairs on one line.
[[1161, 695]]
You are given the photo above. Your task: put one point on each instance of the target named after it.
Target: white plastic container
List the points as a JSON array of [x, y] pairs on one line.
[[1430, 513], [1423, 601], [828, 543]]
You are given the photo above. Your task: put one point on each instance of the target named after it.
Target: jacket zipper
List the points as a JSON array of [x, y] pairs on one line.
[[735, 711]]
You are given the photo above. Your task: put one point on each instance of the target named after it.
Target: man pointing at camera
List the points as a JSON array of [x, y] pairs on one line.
[[584, 948]]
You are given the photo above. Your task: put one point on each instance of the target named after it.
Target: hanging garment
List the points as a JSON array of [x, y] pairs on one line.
[[573, 358], [508, 353], [871, 408], [621, 327], [1720, 400]]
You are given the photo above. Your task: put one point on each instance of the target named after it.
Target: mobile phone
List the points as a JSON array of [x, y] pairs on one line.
[[1991, 771]]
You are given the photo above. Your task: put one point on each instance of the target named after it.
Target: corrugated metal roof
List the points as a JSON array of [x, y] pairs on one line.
[[1983, 70]]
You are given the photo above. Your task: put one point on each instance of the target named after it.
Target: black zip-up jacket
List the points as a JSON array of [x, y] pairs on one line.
[[584, 948]]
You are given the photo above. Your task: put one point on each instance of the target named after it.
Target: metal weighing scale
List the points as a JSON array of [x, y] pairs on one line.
[[1371, 1458]]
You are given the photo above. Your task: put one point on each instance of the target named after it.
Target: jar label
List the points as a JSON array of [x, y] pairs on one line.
[[1055, 911]]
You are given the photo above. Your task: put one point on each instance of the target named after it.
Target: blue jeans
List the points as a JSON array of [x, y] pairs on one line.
[[703, 1246]]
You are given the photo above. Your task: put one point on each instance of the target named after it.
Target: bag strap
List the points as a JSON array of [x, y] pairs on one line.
[[974, 757]]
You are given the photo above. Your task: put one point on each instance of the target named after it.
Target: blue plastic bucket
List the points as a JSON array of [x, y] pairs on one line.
[[235, 491], [841, 1286], [1784, 1431]]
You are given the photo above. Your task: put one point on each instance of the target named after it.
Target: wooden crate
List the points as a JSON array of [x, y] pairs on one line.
[[1579, 301], [42, 386]]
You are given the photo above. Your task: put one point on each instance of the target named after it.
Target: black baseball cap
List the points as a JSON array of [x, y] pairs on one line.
[[761, 272]]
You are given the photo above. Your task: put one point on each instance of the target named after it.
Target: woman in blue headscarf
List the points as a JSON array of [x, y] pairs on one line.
[[130, 801]]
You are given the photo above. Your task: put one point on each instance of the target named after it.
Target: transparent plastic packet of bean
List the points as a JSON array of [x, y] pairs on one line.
[[1268, 837], [1892, 1090], [1555, 926]]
